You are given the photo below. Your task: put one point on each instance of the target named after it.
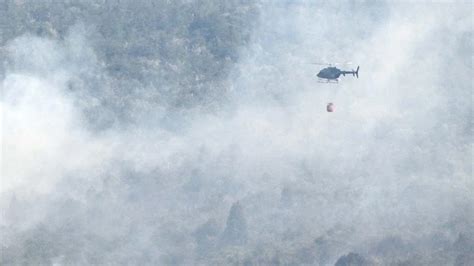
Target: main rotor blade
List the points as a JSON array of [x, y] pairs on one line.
[[330, 64]]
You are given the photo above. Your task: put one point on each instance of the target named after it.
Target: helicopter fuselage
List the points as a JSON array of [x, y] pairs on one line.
[[333, 73], [329, 73]]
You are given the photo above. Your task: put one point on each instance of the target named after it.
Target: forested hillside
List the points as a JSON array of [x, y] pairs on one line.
[[176, 52], [194, 132]]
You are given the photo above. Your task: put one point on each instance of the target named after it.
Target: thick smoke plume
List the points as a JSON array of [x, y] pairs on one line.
[[195, 132]]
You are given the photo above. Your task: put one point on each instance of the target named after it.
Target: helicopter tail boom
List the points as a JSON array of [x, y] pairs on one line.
[[354, 73]]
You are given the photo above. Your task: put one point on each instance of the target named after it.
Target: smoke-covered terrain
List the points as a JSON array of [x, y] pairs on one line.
[[195, 133]]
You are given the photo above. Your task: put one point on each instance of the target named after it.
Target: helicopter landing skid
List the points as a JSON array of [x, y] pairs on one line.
[[328, 80]]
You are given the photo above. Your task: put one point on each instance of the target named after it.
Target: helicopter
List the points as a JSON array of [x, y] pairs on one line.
[[331, 74]]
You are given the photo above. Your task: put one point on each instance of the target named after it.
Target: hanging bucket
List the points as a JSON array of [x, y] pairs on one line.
[[330, 107]]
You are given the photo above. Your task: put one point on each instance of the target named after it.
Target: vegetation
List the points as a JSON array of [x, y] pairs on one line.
[[192, 132]]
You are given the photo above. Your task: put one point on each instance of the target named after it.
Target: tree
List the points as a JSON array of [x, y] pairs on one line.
[[351, 259], [235, 232]]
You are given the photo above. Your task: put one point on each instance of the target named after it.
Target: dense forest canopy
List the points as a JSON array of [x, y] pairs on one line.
[[175, 52]]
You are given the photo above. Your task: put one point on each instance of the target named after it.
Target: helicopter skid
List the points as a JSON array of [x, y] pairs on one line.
[[328, 80]]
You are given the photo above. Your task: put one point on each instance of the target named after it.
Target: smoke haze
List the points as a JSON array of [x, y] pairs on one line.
[[195, 132]]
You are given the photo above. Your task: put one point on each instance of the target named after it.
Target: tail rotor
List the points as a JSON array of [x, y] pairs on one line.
[[356, 73]]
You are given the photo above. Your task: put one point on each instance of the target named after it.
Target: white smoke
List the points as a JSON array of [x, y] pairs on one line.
[[390, 160]]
